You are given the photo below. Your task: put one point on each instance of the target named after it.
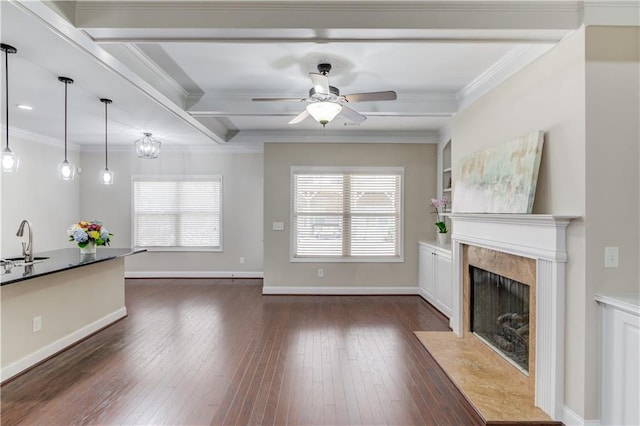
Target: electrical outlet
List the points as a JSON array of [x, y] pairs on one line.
[[242, 260], [611, 257], [278, 226], [320, 273], [37, 324]]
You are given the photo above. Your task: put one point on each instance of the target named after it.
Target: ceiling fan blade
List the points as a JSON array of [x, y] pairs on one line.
[[371, 96], [298, 118], [320, 83], [352, 115], [279, 99]]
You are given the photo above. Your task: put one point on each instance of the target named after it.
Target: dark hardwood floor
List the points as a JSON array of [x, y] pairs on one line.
[[218, 352]]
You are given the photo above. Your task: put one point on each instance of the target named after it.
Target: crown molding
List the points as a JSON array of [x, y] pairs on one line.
[[518, 58], [229, 148], [29, 136]]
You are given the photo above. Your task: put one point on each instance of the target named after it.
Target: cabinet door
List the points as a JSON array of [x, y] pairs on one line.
[[444, 292], [620, 384], [426, 273]]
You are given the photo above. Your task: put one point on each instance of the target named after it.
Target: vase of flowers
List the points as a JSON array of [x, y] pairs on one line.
[[89, 235], [439, 205]]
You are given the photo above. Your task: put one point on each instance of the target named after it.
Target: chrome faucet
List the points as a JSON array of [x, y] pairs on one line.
[[27, 250]]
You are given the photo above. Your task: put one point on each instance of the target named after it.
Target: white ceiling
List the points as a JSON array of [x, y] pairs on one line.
[[186, 71]]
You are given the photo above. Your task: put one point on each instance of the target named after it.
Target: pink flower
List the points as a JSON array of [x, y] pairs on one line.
[[439, 203]]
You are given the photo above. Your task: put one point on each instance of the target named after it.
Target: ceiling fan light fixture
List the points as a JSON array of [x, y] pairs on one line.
[[147, 147], [324, 112]]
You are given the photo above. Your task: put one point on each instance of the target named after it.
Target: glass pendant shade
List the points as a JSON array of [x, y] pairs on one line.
[[147, 147], [106, 175], [10, 160], [324, 112], [66, 170]]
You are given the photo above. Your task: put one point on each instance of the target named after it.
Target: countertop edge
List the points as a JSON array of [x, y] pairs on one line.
[[435, 245], [70, 266], [628, 302]]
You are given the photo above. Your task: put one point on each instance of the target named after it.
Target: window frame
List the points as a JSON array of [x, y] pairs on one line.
[[399, 258], [176, 178]]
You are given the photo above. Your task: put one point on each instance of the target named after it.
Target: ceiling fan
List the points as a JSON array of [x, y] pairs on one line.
[[325, 101]]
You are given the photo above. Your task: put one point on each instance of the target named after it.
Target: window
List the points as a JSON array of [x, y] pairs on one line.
[[347, 214], [178, 213]]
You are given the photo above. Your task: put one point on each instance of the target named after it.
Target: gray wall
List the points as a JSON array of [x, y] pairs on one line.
[[419, 161], [242, 204]]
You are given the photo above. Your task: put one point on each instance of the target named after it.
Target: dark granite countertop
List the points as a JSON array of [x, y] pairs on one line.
[[62, 260]]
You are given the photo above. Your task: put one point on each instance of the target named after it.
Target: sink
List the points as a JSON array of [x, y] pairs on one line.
[[19, 261]]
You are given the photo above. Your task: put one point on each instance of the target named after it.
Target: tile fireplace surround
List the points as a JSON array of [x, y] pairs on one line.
[[542, 239]]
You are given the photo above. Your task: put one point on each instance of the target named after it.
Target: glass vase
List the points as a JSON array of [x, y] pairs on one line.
[[90, 248]]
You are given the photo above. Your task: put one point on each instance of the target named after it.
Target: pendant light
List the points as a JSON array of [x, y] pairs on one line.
[[147, 147], [10, 160], [106, 176], [66, 170]]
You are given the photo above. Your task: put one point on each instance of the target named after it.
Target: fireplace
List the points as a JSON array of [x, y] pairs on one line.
[[528, 254], [499, 304], [499, 315]]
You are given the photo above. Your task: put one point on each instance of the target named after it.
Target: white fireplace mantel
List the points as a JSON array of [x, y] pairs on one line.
[[530, 235], [539, 237]]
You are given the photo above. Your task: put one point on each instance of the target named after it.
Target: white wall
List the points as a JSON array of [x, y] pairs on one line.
[[419, 161], [242, 203], [612, 149], [35, 193], [585, 95], [547, 95]]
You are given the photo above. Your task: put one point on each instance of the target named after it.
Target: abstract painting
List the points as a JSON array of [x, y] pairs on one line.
[[500, 179]]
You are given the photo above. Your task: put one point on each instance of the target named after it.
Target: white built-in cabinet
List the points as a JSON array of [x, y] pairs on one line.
[[620, 375], [434, 275]]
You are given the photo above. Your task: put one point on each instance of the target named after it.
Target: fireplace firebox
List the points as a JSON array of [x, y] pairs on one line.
[[500, 314]]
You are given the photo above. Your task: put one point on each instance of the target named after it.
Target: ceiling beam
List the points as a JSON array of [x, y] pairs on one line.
[[333, 14], [79, 40]]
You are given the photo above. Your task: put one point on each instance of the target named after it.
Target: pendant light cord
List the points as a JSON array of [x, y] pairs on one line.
[[106, 151], [6, 92], [65, 120]]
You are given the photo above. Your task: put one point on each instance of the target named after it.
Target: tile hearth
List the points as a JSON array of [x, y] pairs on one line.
[[484, 378]]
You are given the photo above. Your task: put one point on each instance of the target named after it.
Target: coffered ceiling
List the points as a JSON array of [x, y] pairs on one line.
[[186, 71]]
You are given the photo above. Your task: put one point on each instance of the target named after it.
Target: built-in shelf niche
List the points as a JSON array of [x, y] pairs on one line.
[[445, 176]]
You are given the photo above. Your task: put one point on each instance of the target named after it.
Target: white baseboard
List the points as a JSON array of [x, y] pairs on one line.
[[423, 293], [60, 344], [570, 418], [193, 274], [341, 290]]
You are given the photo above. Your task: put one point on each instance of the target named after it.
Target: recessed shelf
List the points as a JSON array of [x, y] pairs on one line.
[[446, 190], [447, 170]]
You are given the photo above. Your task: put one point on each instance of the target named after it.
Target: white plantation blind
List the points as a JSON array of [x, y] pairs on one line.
[[181, 213], [350, 214]]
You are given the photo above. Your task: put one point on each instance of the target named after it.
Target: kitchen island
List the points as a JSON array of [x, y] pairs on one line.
[[52, 304]]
